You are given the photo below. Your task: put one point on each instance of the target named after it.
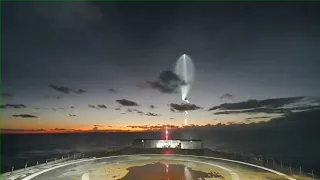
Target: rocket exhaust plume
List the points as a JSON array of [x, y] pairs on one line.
[[185, 69]]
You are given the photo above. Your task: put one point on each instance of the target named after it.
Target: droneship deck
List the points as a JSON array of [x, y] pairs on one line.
[[149, 159]]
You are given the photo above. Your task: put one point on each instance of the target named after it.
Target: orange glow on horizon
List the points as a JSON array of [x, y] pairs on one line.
[[66, 132], [79, 130], [41, 127]]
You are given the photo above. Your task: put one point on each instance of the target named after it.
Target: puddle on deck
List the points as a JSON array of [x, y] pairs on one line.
[[159, 171]]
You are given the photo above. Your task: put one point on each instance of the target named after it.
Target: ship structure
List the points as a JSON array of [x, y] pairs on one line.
[[152, 159]]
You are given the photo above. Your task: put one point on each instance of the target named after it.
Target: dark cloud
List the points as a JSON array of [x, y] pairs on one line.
[[56, 109], [267, 103], [92, 106], [54, 97], [172, 110], [6, 95], [171, 118], [72, 107], [134, 109], [255, 111], [139, 112], [112, 90], [98, 106], [152, 128], [80, 91], [5, 130], [101, 106], [72, 115], [63, 129], [184, 107], [125, 102], [271, 106], [152, 114], [259, 117], [24, 116], [152, 106], [142, 113], [167, 82], [145, 126], [226, 97], [62, 89], [95, 127], [295, 122], [67, 90], [271, 110], [15, 106], [303, 108], [117, 109], [37, 108]]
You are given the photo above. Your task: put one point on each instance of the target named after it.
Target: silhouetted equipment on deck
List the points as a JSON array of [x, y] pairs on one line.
[[171, 144]]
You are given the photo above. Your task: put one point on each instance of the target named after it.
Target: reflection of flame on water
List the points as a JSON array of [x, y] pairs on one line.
[[166, 133], [85, 176], [166, 151], [187, 173], [166, 171]]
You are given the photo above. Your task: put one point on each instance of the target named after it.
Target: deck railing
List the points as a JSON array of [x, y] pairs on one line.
[[268, 162], [272, 163], [41, 163]]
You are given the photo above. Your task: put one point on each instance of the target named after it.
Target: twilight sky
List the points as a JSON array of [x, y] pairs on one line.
[[60, 61]]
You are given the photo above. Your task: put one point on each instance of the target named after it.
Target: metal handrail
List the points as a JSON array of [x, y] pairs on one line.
[[268, 162]]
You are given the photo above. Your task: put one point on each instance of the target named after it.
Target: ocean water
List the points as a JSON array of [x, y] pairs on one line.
[[21, 148], [17, 149]]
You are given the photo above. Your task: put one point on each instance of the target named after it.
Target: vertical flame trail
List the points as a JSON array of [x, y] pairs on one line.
[[186, 118], [166, 133], [186, 114]]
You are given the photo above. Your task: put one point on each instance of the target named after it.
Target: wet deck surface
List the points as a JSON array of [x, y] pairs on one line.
[[152, 167], [159, 171]]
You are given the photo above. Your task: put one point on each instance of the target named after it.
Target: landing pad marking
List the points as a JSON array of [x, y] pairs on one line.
[[229, 160]]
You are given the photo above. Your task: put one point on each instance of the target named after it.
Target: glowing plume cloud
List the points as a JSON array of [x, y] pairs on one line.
[[185, 69]]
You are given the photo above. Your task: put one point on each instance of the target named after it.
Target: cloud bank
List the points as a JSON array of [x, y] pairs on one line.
[[125, 102], [183, 107], [167, 82], [24, 116]]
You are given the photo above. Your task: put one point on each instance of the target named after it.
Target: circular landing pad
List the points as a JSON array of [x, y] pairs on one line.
[[155, 167]]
